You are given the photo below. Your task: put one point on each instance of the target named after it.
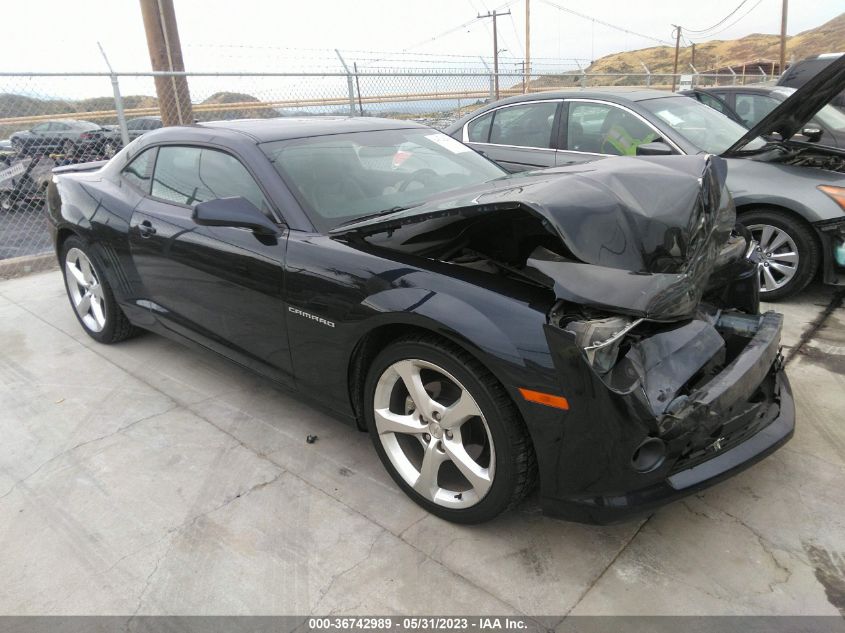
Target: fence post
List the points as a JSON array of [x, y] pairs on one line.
[[118, 100], [349, 86], [694, 74], [733, 77], [492, 82], [358, 89], [118, 106], [583, 74], [647, 74]]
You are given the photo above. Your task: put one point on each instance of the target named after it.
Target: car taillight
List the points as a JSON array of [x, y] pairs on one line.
[[87, 136]]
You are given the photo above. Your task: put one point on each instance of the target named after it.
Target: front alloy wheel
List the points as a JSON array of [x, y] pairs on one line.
[[434, 433], [446, 430], [788, 249], [778, 256]]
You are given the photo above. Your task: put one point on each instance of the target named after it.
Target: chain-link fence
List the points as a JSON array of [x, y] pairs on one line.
[[49, 120]]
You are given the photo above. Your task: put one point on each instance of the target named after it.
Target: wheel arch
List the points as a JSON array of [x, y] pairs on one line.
[[62, 234]]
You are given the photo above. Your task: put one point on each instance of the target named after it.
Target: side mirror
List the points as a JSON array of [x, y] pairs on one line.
[[235, 212], [812, 132], [655, 148]]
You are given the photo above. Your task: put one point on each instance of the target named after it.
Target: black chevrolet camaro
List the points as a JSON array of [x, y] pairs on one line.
[[595, 328]]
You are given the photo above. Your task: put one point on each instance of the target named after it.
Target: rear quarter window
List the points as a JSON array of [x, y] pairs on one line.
[[139, 172]]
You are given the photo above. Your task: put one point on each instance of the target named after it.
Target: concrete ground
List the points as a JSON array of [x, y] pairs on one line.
[[148, 478]]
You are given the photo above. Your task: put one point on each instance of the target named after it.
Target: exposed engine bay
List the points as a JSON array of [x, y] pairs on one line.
[[809, 157]]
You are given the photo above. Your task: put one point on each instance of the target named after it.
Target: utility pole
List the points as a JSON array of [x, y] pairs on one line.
[[174, 99], [692, 61], [527, 45], [494, 15], [784, 11], [677, 50]]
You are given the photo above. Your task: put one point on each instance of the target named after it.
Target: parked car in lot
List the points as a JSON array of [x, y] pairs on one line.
[[749, 105], [66, 136], [141, 125], [595, 327], [801, 72], [790, 194]]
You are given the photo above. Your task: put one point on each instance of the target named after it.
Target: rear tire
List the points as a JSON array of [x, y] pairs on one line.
[[793, 261], [482, 460], [91, 296]]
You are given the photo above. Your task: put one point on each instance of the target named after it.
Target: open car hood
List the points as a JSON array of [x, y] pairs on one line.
[[791, 115], [643, 235]]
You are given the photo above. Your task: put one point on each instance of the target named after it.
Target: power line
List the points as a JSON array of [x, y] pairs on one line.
[[732, 24], [603, 23], [459, 27], [719, 23]]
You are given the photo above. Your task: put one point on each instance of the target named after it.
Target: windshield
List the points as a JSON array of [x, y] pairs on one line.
[[829, 116], [342, 177], [699, 124]]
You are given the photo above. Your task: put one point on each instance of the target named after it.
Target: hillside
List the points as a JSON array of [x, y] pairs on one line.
[[225, 98], [716, 54]]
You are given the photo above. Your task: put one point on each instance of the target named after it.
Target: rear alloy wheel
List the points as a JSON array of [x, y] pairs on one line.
[[788, 251], [90, 295], [451, 438]]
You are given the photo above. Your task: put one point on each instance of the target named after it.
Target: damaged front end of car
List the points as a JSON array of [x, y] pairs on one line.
[[693, 372], [673, 378]]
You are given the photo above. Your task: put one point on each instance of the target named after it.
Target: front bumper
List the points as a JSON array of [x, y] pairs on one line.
[[618, 508], [722, 426]]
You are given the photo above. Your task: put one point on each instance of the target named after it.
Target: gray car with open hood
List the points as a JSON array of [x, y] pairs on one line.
[[789, 194]]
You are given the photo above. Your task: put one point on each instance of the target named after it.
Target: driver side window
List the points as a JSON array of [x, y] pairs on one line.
[[526, 125], [188, 175]]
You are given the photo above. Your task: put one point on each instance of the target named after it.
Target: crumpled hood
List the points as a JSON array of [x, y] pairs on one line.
[[635, 214], [646, 233]]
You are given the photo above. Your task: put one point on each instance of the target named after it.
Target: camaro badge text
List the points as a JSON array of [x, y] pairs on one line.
[[313, 317]]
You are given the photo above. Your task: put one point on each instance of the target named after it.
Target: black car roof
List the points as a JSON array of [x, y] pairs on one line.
[[279, 129]]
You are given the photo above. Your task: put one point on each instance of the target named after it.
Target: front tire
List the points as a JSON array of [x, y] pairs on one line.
[[446, 430], [788, 249], [91, 295]]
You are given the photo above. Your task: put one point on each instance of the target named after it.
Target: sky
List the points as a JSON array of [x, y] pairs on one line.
[[301, 35], [261, 35]]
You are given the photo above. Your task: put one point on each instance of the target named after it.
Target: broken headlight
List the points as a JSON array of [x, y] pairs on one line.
[[600, 339]]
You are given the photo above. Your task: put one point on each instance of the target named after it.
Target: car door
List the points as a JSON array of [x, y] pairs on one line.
[[518, 136], [219, 286], [590, 129]]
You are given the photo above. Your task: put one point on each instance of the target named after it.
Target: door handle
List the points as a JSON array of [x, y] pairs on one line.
[[146, 228]]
